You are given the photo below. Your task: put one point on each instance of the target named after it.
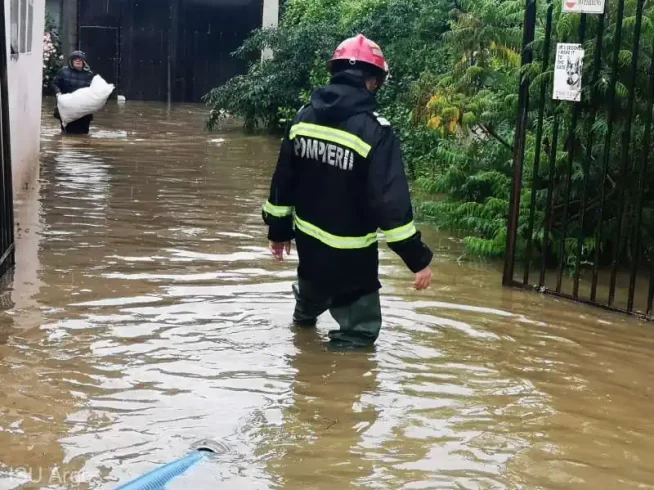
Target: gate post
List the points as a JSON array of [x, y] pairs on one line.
[[69, 26], [519, 142], [7, 257], [270, 19]]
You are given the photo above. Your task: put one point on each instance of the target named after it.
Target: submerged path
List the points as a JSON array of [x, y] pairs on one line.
[[145, 314]]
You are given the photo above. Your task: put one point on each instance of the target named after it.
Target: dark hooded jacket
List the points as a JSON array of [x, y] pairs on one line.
[[340, 178], [69, 79]]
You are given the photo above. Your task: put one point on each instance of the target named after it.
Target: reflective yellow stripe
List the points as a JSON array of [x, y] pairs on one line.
[[334, 241], [278, 211], [400, 233], [330, 134]]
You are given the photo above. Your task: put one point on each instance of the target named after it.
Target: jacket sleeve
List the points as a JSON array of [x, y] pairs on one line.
[[56, 83], [278, 210], [390, 201]]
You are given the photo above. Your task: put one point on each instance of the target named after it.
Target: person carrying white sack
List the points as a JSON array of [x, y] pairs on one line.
[[76, 76]]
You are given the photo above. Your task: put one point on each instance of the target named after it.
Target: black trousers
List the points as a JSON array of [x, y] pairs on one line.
[[81, 126]]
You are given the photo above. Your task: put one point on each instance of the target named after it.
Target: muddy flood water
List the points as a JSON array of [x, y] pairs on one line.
[[145, 313]]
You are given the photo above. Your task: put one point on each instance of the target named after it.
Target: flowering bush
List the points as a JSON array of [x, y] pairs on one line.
[[52, 57]]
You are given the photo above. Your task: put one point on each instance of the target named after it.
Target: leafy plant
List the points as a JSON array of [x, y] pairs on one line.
[[52, 57], [452, 99]]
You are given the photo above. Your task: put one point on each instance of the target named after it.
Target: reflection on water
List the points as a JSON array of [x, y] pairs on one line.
[[145, 314]]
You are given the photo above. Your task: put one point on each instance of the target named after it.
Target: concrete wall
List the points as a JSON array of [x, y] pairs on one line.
[[270, 19], [64, 13], [26, 274], [25, 75], [68, 26]]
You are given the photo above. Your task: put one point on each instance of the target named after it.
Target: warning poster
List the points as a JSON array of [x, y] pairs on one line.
[[567, 72], [584, 6]]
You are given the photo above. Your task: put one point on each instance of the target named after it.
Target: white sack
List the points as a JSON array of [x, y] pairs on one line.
[[84, 101]]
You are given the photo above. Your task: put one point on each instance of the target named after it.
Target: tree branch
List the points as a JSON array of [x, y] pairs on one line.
[[591, 204], [491, 132], [589, 207]]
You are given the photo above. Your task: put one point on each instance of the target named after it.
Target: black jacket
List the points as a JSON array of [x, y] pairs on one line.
[[339, 178], [69, 80]]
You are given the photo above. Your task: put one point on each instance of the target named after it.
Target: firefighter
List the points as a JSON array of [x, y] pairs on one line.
[[339, 178]]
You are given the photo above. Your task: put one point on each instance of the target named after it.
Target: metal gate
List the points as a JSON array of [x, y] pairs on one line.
[[6, 191], [175, 50], [102, 46], [581, 220]]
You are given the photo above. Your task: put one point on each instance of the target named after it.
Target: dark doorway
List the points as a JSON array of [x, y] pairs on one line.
[[102, 45], [175, 50], [208, 35]]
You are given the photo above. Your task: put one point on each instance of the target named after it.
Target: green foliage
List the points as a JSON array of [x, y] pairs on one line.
[[273, 89], [586, 147], [52, 57], [475, 187], [452, 99]]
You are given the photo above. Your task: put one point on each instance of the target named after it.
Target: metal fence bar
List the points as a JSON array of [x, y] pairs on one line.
[[638, 234], [4, 137], [519, 143], [550, 193], [583, 301], [626, 139], [607, 142], [597, 64], [7, 216], [6, 236], [539, 140], [4, 231], [620, 172], [576, 110]]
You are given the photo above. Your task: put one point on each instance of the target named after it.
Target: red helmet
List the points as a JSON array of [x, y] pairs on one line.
[[362, 50]]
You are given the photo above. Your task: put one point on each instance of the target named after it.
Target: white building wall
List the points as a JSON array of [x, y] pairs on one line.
[[25, 68], [270, 19]]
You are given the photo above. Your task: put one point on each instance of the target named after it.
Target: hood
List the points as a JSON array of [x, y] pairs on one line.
[[78, 55], [344, 97]]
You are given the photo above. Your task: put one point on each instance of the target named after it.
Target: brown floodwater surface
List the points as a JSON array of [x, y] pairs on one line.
[[145, 314]]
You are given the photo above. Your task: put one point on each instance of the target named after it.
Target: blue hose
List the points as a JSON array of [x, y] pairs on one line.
[[158, 478]]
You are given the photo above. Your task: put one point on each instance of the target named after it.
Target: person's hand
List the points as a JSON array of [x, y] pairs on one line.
[[278, 249], [423, 279]]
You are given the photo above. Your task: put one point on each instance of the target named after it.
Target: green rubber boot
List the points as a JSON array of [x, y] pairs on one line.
[[360, 323], [310, 304]]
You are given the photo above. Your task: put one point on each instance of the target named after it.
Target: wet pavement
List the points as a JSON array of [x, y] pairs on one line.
[[145, 314]]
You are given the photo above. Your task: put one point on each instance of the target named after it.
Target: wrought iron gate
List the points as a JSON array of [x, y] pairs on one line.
[[581, 221], [6, 191]]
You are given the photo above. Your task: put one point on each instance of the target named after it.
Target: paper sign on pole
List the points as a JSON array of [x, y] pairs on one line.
[[567, 72], [583, 6]]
